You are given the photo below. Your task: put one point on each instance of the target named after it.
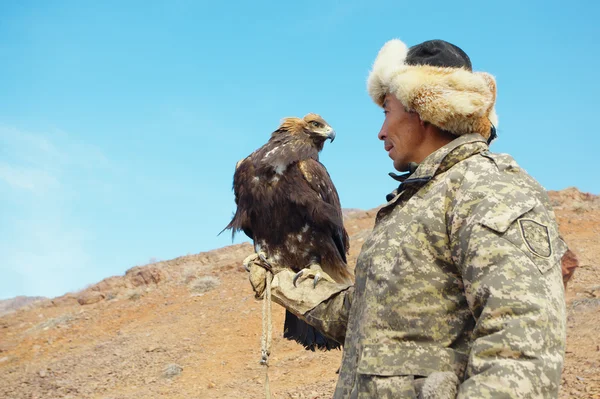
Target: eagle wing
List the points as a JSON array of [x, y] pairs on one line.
[[244, 170], [323, 202]]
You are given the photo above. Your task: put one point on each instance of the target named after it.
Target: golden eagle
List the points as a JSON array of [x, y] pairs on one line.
[[288, 205]]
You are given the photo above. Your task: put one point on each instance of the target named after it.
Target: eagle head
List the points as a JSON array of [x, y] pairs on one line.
[[317, 128], [312, 128]]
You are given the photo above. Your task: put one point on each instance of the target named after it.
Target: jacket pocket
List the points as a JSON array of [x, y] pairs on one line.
[[389, 370], [528, 226], [500, 215], [405, 358], [374, 386]]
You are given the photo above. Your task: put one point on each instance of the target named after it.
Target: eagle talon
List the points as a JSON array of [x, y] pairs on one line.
[[263, 258], [297, 276], [247, 261], [256, 257], [313, 271]]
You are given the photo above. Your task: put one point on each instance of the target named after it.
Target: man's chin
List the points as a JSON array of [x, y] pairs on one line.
[[401, 166]]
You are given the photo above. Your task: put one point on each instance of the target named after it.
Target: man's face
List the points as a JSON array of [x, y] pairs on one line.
[[401, 133]]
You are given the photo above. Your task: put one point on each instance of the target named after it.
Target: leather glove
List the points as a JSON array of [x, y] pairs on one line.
[[299, 298], [305, 295], [257, 275], [257, 272]]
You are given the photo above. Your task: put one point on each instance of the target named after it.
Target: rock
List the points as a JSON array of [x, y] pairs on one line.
[[110, 284], [5, 347], [89, 297], [593, 292], [65, 300], [155, 349], [43, 373], [172, 370], [144, 275], [569, 264]]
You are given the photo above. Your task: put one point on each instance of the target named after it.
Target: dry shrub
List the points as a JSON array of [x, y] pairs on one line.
[[203, 284]]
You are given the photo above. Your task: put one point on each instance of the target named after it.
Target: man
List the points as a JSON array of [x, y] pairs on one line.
[[462, 272]]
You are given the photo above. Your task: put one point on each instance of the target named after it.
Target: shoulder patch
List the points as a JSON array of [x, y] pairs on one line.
[[536, 237]]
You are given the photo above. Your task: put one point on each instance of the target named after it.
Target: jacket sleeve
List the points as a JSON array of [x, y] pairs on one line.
[[331, 316], [510, 261], [325, 306]]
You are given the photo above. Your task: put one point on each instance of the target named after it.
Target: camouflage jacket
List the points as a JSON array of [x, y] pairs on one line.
[[461, 273]]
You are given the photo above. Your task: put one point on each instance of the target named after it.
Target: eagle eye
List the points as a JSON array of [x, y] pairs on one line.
[[315, 124]]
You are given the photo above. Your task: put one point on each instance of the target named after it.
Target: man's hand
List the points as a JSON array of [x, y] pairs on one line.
[[439, 385]]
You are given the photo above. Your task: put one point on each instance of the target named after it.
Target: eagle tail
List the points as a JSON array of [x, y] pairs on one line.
[[240, 221], [233, 228], [297, 330]]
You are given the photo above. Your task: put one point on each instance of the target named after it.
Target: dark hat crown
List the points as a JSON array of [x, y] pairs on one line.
[[438, 53]]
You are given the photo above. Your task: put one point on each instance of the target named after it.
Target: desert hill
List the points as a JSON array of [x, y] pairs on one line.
[[12, 304], [190, 328]]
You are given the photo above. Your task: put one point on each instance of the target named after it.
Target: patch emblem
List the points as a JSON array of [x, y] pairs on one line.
[[536, 237]]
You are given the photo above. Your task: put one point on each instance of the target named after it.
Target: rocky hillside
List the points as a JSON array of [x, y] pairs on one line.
[[10, 305], [190, 327]]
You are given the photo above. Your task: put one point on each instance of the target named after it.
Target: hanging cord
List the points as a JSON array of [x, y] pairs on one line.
[[265, 341]]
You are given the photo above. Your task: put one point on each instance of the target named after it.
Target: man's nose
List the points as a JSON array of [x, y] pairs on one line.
[[382, 133]]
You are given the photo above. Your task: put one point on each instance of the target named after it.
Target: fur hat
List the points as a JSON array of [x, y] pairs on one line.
[[435, 79]]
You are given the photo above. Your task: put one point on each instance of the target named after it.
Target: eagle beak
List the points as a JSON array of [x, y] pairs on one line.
[[331, 134]]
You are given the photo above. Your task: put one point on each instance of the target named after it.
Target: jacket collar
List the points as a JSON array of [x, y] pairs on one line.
[[444, 158], [440, 161]]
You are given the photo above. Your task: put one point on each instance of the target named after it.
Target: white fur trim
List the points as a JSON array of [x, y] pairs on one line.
[[454, 99], [390, 58]]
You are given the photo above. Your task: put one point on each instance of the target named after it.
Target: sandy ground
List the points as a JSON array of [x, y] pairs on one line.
[[190, 328]]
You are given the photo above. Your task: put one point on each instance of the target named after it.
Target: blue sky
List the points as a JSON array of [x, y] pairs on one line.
[[121, 121]]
